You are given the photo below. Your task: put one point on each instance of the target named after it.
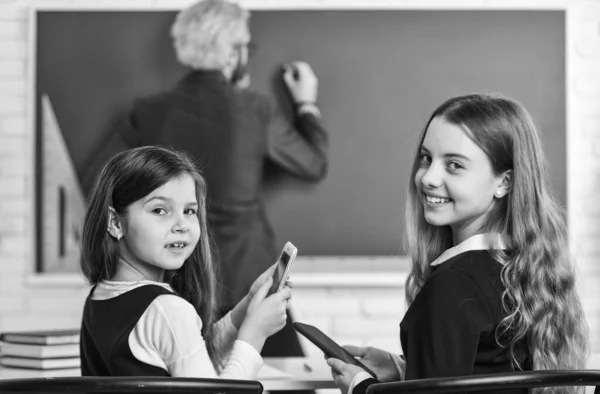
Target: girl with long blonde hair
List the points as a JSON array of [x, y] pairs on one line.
[[492, 285]]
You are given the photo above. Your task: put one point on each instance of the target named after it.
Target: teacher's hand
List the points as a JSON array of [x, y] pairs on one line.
[[301, 81]]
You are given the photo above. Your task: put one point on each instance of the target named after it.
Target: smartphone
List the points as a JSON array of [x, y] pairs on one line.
[[284, 265], [329, 346]]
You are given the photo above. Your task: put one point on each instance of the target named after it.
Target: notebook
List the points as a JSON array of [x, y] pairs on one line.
[[23, 373], [38, 363], [45, 337], [39, 351]]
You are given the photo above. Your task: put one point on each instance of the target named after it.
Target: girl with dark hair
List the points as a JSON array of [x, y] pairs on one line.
[[146, 251], [492, 286]]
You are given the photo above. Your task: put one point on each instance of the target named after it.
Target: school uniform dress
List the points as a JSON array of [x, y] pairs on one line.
[[450, 328], [144, 329], [233, 134]]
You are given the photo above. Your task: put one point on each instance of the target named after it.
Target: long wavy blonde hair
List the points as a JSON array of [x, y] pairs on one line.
[[543, 310]]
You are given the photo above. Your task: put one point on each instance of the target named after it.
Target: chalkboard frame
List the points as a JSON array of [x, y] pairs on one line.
[[252, 5]]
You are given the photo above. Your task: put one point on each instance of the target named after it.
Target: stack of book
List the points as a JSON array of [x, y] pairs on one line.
[[40, 353]]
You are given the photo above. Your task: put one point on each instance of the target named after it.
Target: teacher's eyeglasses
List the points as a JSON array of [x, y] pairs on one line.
[[251, 45]]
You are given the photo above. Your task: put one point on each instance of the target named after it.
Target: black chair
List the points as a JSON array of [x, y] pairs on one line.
[[146, 385], [501, 381]]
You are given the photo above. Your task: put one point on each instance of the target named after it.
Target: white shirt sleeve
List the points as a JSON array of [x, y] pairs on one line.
[[224, 334], [168, 336]]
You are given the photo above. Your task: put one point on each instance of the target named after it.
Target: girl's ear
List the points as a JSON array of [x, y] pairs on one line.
[[505, 185], [114, 225]]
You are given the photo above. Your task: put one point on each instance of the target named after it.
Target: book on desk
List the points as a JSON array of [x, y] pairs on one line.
[[49, 350], [26, 373], [39, 351], [40, 363], [42, 337]]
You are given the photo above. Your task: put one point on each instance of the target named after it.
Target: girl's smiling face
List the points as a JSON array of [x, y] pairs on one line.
[[455, 180]]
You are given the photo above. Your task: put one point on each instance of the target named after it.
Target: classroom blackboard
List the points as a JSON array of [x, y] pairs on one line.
[[381, 74]]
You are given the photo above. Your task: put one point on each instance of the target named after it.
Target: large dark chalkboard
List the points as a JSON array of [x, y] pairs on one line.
[[381, 74]]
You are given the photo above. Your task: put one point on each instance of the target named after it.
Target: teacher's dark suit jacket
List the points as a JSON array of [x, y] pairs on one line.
[[232, 133]]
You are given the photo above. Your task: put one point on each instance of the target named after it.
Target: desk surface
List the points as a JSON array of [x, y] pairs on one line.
[[295, 373], [286, 373]]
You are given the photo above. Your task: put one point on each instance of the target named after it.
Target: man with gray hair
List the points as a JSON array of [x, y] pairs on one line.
[[233, 132]]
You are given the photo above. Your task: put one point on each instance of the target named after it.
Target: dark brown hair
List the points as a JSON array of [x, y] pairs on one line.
[[128, 177]]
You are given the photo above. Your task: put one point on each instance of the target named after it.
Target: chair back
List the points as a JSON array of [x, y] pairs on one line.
[[146, 385], [488, 382]]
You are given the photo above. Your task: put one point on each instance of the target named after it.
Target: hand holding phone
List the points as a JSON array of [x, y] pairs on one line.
[[329, 346], [284, 266]]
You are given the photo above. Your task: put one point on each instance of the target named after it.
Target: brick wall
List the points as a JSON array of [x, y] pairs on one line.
[[357, 301], [583, 153], [335, 303]]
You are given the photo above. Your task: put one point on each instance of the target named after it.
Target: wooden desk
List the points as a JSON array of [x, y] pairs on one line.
[[294, 373]]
